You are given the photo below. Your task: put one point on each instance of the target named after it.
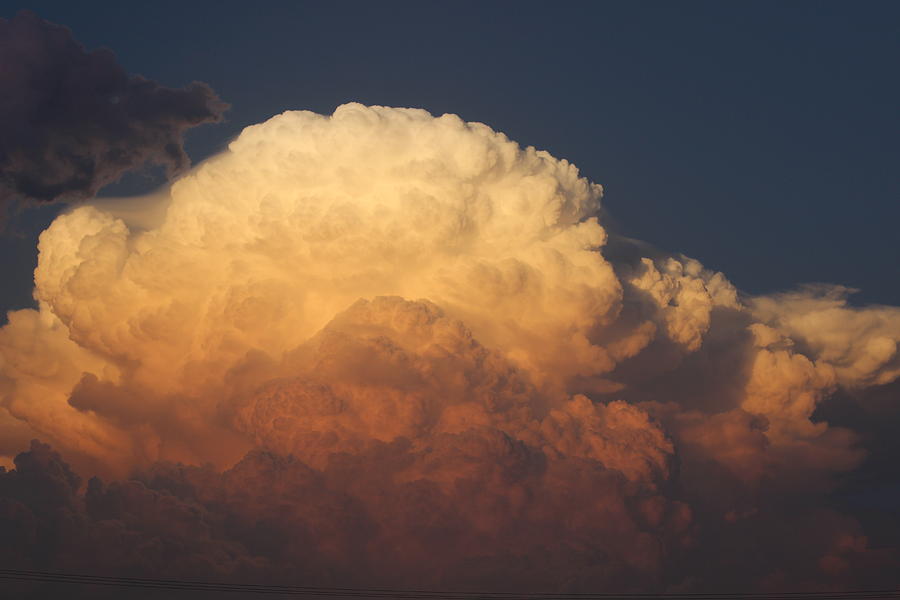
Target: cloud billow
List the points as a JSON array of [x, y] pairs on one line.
[[383, 347]]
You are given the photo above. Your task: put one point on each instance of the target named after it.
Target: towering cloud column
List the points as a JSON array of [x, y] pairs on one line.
[[408, 342]]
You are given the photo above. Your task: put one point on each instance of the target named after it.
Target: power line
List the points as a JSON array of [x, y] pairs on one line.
[[372, 593]]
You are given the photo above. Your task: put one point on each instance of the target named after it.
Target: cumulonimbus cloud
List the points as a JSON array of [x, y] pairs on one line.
[[408, 353]]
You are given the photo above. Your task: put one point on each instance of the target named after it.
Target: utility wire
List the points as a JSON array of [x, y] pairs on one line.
[[372, 593]]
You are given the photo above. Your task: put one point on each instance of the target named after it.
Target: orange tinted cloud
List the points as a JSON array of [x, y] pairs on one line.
[[408, 351]]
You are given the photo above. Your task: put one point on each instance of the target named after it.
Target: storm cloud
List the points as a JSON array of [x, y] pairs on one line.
[[383, 347]]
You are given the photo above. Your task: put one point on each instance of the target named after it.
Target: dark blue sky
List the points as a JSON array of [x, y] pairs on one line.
[[758, 137]]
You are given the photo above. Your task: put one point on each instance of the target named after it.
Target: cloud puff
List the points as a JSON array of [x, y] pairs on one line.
[[859, 343], [408, 353], [74, 120]]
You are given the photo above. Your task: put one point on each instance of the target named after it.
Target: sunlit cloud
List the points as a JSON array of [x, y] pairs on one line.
[[410, 355]]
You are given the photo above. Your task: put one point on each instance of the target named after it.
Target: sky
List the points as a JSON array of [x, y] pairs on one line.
[[510, 297], [758, 138]]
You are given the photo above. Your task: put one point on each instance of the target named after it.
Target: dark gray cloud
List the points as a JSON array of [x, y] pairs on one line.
[[354, 523], [74, 120]]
